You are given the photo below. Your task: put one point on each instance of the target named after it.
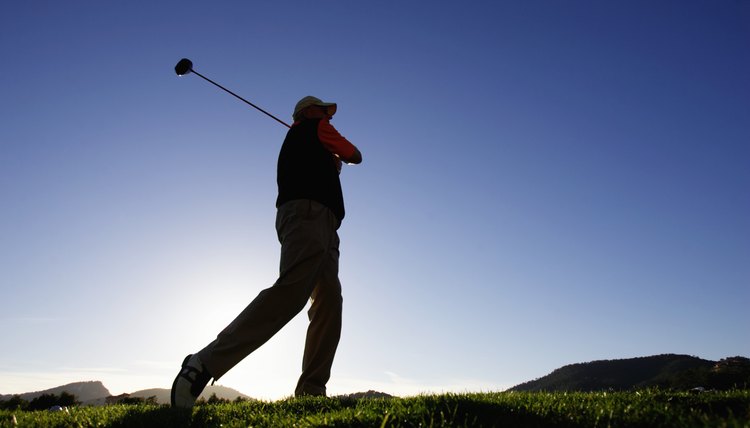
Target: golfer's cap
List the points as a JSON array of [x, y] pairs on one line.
[[313, 101]]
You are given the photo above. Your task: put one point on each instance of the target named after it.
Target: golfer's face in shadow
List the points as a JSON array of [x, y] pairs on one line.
[[316, 112]]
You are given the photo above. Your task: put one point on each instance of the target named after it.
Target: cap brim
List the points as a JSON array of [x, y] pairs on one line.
[[332, 107]]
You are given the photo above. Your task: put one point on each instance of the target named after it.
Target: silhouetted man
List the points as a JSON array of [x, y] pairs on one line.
[[310, 208]]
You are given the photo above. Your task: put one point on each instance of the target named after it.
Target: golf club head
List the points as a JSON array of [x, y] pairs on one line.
[[183, 67]]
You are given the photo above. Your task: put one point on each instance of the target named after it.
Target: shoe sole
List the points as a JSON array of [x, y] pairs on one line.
[[172, 398]]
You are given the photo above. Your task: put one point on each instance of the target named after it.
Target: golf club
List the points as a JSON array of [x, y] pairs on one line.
[[185, 66]]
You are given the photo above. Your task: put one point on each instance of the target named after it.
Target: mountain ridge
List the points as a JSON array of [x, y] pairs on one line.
[[83, 391], [670, 371], [95, 393]]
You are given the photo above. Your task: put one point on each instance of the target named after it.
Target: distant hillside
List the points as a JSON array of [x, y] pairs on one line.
[[664, 371], [83, 391], [95, 394], [368, 394], [162, 395]]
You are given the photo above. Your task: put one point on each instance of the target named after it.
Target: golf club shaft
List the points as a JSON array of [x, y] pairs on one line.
[[239, 97]]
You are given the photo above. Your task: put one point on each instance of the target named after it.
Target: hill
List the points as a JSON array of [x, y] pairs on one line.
[[162, 394], [664, 371], [83, 391], [95, 394]]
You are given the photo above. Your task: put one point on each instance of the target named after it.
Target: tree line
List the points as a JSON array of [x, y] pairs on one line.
[[42, 402], [65, 399]]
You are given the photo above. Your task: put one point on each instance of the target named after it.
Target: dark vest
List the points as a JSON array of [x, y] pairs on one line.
[[306, 170]]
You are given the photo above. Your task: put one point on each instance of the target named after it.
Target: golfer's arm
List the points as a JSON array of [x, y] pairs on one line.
[[354, 158], [337, 144]]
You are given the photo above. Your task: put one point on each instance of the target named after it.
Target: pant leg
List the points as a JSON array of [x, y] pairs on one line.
[[324, 330], [305, 233]]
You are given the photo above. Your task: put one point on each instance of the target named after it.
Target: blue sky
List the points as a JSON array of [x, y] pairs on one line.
[[544, 183]]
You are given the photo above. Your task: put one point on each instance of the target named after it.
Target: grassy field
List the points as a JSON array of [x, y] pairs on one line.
[[504, 409]]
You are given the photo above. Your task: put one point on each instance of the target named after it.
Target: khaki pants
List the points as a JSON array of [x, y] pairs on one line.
[[308, 270]]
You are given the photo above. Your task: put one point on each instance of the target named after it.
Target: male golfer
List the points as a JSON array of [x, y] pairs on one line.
[[310, 209]]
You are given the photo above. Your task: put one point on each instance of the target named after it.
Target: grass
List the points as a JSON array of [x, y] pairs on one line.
[[650, 408]]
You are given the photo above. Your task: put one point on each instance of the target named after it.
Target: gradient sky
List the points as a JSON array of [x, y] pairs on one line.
[[544, 183]]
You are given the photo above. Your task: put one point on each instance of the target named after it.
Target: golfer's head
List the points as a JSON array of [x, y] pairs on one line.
[[311, 107]]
